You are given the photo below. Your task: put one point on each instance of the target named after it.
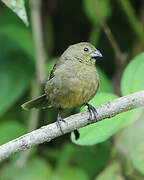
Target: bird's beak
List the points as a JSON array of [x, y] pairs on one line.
[[96, 54]]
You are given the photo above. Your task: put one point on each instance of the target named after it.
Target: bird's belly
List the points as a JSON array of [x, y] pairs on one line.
[[73, 92], [78, 97]]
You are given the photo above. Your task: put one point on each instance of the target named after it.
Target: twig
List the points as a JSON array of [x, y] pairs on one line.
[[49, 132]]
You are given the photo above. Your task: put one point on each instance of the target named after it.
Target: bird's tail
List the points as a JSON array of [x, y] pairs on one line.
[[39, 102]]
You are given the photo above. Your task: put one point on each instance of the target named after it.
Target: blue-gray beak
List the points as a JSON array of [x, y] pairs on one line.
[[96, 54]]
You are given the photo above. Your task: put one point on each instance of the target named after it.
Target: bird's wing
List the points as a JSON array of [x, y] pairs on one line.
[[52, 72], [55, 67]]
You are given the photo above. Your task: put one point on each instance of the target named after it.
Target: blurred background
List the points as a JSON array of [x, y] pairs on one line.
[[112, 149]]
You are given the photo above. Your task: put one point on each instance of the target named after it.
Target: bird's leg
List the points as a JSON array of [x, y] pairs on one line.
[[59, 118], [88, 105], [91, 110]]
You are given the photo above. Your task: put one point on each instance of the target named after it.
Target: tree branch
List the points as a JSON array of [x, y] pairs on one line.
[[51, 131]]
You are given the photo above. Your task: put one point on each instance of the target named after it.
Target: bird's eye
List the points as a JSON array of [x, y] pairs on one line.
[[86, 49]]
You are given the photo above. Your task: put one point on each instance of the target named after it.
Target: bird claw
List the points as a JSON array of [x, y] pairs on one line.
[[63, 120], [59, 119], [58, 123], [91, 110]]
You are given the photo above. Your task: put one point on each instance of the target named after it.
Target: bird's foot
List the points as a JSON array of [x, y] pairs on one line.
[[91, 110], [59, 119]]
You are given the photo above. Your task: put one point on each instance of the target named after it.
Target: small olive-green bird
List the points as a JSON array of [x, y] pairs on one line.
[[73, 81]]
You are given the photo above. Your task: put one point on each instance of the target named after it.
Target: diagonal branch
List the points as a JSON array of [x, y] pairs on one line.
[[51, 131]]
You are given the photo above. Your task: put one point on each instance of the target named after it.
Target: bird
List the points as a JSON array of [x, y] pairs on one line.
[[73, 81]]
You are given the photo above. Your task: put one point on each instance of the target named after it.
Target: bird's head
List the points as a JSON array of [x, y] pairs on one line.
[[83, 52]]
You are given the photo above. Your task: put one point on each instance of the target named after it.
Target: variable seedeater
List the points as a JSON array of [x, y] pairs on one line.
[[73, 81]]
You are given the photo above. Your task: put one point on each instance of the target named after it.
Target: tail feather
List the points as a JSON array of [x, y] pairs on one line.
[[39, 102]]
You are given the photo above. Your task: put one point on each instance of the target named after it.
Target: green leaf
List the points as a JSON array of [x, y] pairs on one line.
[[21, 37], [90, 10], [10, 130], [132, 79], [105, 84], [35, 169], [100, 131], [112, 172], [15, 77], [18, 7]]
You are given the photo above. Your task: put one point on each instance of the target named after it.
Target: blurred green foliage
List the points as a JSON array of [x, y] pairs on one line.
[[36, 168], [104, 6], [110, 149]]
